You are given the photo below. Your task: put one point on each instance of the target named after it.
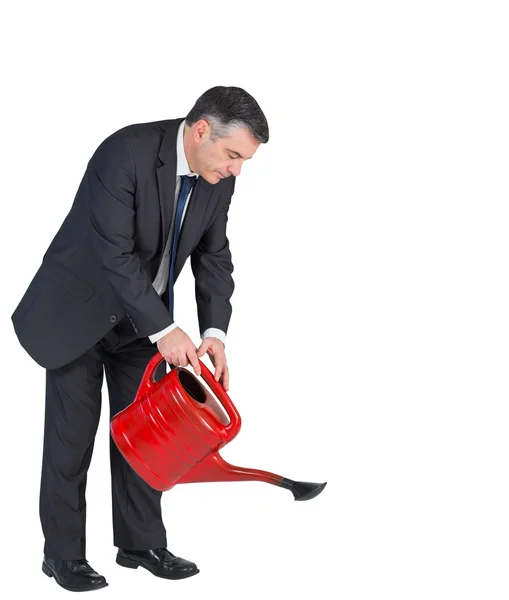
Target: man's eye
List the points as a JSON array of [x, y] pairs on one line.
[[232, 156]]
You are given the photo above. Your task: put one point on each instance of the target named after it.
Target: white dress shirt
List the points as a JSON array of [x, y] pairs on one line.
[[183, 169]]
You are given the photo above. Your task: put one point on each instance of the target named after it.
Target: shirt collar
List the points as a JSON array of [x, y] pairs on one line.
[[182, 164]]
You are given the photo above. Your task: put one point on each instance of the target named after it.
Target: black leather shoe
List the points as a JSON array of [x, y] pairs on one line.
[[160, 562], [73, 575]]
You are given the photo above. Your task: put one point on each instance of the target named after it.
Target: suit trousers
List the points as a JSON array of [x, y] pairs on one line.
[[72, 412]]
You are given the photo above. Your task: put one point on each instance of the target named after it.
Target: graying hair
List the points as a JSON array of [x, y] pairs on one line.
[[219, 130], [227, 109]]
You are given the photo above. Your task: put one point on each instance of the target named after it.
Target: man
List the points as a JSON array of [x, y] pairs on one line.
[[153, 194]]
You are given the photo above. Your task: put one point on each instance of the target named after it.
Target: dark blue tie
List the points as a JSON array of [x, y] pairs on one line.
[[186, 184]]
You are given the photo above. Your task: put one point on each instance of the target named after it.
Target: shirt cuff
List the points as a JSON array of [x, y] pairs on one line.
[[157, 336], [217, 333]]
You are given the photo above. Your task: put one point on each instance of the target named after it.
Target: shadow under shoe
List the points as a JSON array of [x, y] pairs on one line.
[[160, 562], [73, 575]]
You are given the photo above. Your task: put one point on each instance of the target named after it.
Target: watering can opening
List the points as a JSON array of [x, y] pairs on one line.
[[192, 386], [198, 393]]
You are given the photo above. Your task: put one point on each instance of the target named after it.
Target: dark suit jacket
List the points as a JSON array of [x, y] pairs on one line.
[[101, 263]]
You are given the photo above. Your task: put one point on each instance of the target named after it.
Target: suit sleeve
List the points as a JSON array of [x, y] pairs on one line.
[[212, 267], [111, 177]]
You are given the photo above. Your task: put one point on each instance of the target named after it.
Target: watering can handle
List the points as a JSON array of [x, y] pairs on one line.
[[234, 425], [148, 383]]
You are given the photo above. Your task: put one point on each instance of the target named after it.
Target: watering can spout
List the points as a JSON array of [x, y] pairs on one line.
[[215, 468], [303, 490]]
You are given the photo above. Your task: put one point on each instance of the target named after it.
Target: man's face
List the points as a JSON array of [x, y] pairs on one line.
[[221, 158]]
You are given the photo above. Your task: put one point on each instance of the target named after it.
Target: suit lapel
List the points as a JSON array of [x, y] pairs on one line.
[[166, 184], [167, 174]]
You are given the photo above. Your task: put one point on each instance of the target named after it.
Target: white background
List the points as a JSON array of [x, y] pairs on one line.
[[369, 340]]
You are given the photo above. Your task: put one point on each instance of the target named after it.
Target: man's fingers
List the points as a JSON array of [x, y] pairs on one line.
[[193, 359], [220, 367], [226, 378]]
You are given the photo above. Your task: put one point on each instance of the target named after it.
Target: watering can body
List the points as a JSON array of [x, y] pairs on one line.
[[173, 430]]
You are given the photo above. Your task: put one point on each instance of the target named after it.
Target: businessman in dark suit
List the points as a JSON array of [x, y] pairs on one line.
[[153, 194]]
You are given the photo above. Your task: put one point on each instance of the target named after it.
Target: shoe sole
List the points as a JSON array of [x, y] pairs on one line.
[[123, 561], [47, 571]]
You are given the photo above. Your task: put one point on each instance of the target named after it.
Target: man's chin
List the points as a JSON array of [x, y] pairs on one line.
[[213, 177]]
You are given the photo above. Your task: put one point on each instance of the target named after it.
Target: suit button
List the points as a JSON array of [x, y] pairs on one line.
[[113, 318]]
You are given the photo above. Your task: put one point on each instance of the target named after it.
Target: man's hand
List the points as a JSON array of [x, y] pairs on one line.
[[179, 350], [215, 349]]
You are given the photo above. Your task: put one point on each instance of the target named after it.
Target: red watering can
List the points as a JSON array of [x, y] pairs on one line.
[[171, 433]]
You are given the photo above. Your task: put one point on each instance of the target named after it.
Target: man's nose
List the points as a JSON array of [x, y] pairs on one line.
[[235, 169]]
